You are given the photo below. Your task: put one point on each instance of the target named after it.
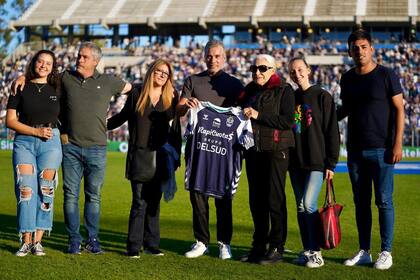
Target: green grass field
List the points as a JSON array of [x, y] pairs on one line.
[[177, 237]]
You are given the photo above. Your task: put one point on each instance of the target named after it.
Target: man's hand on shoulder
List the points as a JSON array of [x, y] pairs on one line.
[[127, 88], [19, 83]]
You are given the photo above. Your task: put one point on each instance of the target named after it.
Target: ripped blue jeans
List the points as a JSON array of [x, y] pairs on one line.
[[33, 159]]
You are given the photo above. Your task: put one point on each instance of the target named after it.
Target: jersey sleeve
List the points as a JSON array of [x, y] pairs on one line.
[[192, 120], [244, 132]]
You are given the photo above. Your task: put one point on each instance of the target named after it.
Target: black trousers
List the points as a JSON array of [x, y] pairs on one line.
[[266, 172], [200, 207], [143, 224]]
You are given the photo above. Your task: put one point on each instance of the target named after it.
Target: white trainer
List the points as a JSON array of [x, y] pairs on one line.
[[315, 259], [224, 251], [302, 257], [384, 261], [38, 250], [24, 250], [197, 250], [361, 257]]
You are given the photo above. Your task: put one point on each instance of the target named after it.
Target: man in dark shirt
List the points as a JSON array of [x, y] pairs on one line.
[[221, 89], [372, 100]]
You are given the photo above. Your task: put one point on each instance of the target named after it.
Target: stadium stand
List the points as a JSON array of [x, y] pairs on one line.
[[317, 29], [201, 12], [230, 9], [403, 58]]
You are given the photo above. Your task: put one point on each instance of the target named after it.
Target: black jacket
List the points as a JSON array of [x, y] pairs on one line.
[[150, 131], [275, 105]]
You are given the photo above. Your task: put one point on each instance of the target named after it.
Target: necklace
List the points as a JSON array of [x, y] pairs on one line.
[[39, 87]]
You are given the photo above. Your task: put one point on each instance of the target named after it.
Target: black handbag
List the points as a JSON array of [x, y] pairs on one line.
[[142, 167]]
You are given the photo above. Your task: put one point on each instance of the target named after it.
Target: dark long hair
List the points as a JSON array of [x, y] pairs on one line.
[[53, 79]]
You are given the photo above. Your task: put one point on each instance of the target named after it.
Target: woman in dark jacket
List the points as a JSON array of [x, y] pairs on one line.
[[269, 103], [315, 155], [149, 111]]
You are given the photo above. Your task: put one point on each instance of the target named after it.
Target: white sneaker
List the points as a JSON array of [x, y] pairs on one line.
[[197, 250], [384, 261], [38, 250], [302, 257], [24, 250], [361, 257], [315, 259], [224, 251]]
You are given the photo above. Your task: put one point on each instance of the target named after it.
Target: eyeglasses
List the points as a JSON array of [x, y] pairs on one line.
[[261, 68], [162, 73]]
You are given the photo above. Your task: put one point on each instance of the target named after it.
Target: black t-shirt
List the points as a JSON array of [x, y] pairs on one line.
[[36, 104], [220, 89], [367, 100]]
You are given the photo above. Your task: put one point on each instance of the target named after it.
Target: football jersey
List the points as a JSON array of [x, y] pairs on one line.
[[216, 137]]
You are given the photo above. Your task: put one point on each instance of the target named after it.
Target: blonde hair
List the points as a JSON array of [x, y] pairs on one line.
[[167, 89]]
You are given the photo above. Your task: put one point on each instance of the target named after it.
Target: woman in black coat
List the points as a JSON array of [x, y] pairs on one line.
[[149, 111], [269, 104]]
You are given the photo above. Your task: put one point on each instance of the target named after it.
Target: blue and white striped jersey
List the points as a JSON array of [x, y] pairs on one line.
[[215, 138]]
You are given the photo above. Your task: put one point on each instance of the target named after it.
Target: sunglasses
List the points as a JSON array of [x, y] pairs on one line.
[[261, 68]]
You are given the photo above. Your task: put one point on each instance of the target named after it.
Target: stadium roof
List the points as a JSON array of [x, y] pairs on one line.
[[203, 12]]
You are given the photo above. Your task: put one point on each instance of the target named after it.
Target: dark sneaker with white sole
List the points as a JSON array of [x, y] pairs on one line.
[[93, 247], [153, 251], [273, 256], [74, 248]]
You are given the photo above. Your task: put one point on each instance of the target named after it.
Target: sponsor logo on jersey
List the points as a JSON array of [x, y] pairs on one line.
[[211, 148], [215, 133], [206, 117], [229, 121], [216, 122]]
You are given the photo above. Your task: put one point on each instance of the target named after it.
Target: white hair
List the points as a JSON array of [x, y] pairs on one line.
[[271, 60]]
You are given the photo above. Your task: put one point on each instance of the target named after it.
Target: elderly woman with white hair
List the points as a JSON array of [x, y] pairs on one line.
[[269, 103]]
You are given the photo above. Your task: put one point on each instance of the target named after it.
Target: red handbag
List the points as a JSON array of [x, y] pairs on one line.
[[330, 222]]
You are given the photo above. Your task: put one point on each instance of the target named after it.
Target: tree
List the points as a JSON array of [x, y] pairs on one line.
[[9, 10]]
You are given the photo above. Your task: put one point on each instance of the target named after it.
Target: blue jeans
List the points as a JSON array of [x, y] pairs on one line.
[[365, 167], [89, 163], [307, 185], [35, 193]]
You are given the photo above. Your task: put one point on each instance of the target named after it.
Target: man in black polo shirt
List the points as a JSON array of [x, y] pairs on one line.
[[372, 100], [85, 99], [221, 89]]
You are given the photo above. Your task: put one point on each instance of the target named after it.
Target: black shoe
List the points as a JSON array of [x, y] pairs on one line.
[[154, 251], [273, 256], [133, 255], [253, 256]]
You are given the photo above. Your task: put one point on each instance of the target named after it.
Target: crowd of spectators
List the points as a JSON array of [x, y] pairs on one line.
[[403, 58]]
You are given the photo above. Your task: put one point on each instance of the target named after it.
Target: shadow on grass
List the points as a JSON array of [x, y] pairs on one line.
[[111, 241]]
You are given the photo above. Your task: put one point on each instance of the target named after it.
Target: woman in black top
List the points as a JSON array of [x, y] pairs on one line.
[[149, 111], [314, 157], [33, 114], [269, 103]]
